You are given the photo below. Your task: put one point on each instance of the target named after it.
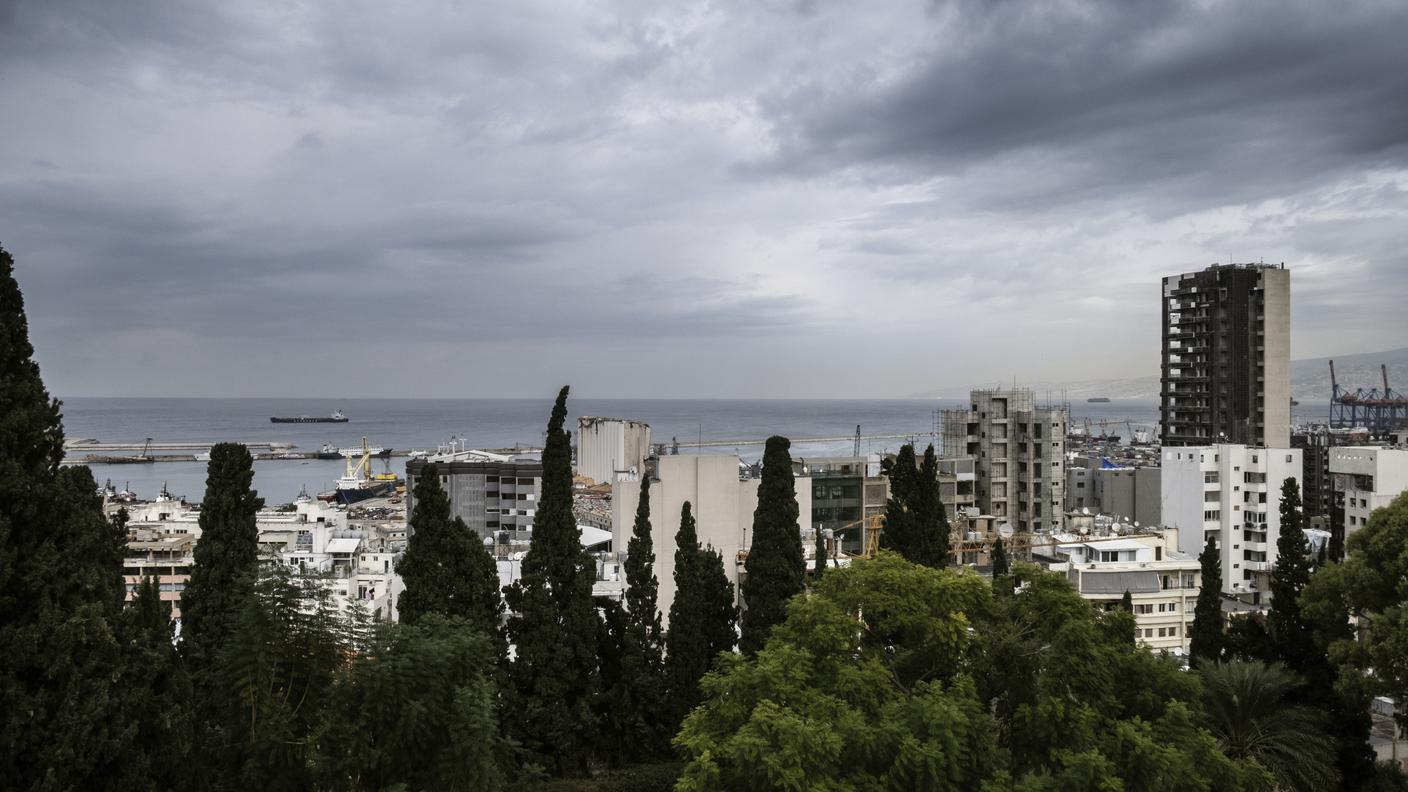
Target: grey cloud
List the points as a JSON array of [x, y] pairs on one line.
[[1122, 99]]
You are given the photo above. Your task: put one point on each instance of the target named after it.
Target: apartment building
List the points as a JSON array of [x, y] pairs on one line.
[[1365, 478], [845, 491], [1231, 493], [1163, 583], [1018, 450], [1226, 356]]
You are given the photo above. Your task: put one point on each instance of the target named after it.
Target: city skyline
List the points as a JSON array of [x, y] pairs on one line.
[[733, 200]]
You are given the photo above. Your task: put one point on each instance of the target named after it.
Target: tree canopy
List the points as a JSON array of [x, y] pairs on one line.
[[776, 567]]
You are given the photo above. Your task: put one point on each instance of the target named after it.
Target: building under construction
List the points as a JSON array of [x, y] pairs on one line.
[[1378, 411]]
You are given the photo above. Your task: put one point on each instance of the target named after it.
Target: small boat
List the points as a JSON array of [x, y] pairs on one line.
[[336, 417]]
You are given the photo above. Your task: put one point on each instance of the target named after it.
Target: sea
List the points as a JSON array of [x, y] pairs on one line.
[[425, 424]]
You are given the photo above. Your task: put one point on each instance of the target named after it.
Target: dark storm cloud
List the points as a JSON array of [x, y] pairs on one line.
[[1225, 100], [624, 190]]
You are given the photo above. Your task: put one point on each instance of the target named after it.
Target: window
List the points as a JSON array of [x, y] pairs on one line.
[[1145, 608], [1210, 477], [1214, 514]]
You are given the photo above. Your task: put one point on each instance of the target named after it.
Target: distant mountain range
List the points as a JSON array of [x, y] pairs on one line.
[[1310, 380]]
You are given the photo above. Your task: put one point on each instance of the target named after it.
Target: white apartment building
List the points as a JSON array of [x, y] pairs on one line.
[[1231, 493], [721, 500], [1366, 478], [314, 537], [1162, 582]]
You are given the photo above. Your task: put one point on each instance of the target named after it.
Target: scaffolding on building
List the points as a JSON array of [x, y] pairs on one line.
[[1374, 410]]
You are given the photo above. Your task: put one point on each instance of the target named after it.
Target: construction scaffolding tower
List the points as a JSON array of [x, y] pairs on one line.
[[1374, 410]]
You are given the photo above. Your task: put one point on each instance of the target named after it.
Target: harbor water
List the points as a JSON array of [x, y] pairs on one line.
[[424, 424]]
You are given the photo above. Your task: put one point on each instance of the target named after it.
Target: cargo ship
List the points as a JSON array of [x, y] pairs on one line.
[[358, 483], [336, 417], [1098, 400]]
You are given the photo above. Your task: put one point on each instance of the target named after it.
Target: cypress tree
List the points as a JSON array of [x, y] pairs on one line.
[[776, 567], [446, 569], [1291, 635], [901, 520], [820, 556], [931, 540], [703, 618], [554, 626], [1207, 641], [999, 558], [637, 701], [1127, 602], [61, 587], [156, 693]]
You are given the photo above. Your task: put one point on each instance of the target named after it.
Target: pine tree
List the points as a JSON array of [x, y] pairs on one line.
[[703, 618], [446, 569], [1291, 635], [554, 626], [61, 587], [637, 701], [901, 521], [999, 559], [1207, 641], [776, 567]]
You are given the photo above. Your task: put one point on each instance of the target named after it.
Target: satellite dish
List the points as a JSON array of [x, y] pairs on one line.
[[1006, 530]]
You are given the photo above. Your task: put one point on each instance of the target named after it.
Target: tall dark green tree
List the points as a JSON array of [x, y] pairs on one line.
[[1000, 565], [446, 568], [554, 625], [776, 567], [226, 555], [156, 692], [931, 541], [637, 700], [1207, 641], [901, 520], [819, 556], [703, 617], [1291, 634], [61, 725]]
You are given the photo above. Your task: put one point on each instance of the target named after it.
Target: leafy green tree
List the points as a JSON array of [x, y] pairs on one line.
[[999, 559], [1251, 708], [775, 567], [61, 588], [554, 625], [703, 618], [415, 712], [1206, 642], [279, 662], [1365, 590], [1291, 635], [446, 569], [637, 697]]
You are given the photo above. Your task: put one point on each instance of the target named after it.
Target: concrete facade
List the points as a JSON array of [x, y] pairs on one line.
[[1226, 357], [1366, 478], [845, 490], [489, 495], [1233, 494], [721, 502], [1163, 583], [610, 448], [1019, 452]]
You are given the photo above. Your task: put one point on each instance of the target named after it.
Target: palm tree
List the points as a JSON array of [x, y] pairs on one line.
[[1250, 711]]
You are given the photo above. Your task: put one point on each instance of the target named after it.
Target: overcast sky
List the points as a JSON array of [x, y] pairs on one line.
[[754, 198]]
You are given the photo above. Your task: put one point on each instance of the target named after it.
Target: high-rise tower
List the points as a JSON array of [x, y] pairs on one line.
[[1227, 356]]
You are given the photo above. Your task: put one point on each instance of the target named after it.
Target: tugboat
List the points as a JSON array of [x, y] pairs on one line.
[[336, 417]]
